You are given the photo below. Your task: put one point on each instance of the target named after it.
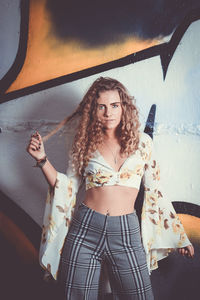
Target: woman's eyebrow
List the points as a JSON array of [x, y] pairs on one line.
[[117, 102]]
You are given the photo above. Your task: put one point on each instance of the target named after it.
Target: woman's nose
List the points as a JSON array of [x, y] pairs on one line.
[[107, 112]]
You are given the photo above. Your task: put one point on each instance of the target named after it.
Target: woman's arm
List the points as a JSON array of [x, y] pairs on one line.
[[59, 208], [162, 229], [36, 150]]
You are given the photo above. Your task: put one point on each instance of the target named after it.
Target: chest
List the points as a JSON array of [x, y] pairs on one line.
[[112, 156]]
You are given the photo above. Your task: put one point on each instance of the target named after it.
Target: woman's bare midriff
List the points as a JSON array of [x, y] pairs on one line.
[[112, 200]]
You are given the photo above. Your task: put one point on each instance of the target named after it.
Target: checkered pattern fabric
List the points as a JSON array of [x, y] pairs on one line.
[[94, 238]]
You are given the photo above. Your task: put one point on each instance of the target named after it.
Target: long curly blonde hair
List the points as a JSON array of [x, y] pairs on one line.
[[90, 133]]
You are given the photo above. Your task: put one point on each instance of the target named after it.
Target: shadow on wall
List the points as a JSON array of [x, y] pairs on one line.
[[181, 275]]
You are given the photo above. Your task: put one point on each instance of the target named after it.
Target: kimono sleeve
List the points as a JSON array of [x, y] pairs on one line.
[[60, 205], [161, 227]]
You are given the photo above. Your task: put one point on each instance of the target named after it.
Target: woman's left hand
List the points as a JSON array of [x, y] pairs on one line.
[[187, 251]]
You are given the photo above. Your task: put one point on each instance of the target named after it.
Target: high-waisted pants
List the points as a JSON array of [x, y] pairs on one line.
[[94, 238]]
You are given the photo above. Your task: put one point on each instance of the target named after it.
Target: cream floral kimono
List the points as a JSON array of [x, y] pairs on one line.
[[161, 228]]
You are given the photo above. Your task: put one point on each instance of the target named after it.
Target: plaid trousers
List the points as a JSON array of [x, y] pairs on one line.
[[94, 238]]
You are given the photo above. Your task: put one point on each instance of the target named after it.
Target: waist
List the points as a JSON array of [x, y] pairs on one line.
[[86, 207], [111, 200], [93, 221]]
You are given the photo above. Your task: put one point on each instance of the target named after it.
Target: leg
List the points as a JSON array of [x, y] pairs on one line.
[[127, 266], [80, 264]]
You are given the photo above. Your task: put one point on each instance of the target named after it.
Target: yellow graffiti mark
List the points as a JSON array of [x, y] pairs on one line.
[[192, 227]]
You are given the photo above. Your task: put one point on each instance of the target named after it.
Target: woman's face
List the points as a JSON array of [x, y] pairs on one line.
[[109, 110]]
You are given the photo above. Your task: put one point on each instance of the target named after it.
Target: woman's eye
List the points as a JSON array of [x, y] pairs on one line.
[[101, 107], [115, 105]]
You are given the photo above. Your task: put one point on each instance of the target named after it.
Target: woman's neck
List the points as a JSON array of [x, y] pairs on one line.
[[111, 134]]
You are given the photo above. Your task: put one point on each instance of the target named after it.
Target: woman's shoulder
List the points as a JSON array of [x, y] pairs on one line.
[[145, 140]]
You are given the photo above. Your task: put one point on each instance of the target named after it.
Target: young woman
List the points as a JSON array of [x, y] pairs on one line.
[[111, 156]]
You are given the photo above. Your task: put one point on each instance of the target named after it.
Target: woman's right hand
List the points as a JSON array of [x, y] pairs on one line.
[[36, 146]]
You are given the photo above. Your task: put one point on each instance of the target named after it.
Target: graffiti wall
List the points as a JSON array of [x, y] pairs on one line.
[[50, 55]]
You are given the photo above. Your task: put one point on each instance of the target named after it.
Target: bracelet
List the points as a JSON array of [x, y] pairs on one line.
[[41, 162]]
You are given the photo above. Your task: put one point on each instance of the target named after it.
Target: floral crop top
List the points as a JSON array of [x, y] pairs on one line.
[[161, 229], [98, 172]]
